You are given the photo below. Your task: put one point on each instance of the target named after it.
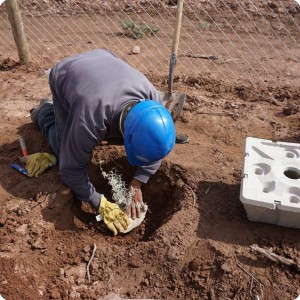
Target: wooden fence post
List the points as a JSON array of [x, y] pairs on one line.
[[16, 22]]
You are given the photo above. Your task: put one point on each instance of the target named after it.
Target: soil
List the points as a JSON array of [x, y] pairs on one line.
[[195, 241]]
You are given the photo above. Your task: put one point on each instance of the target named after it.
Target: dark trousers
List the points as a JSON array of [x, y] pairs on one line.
[[51, 122]]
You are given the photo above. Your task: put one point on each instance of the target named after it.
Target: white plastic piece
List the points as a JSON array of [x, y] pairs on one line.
[[99, 218], [1, 298], [270, 189], [137, 222]]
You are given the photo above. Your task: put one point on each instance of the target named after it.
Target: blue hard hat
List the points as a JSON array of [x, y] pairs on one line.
[[149, 133]]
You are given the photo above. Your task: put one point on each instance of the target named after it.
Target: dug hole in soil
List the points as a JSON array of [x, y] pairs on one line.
[[195, 241]]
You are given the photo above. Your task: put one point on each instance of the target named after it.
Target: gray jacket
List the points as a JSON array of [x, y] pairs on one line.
[[92, 89]]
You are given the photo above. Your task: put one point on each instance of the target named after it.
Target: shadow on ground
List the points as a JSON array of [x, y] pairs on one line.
[[223, 218]]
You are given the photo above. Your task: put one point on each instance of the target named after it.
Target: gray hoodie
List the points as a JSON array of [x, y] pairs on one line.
[[92, 89]]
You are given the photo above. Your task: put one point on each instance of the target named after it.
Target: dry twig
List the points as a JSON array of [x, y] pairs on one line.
[[252, 294], [270, 100], [272, 256], [118, 165], [256, 280], [260, 97], [208, 189], [217, 113], [225, 61], [203, 56], [193, 194], [88, 265]]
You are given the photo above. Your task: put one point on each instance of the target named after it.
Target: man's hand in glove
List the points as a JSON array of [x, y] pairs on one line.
[[113, 217], [137, 205], [37, 163]]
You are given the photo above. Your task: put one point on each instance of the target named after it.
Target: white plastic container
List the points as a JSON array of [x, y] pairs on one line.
[[270, 189]]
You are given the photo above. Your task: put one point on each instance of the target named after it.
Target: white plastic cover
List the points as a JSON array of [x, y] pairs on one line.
[[271, 175]]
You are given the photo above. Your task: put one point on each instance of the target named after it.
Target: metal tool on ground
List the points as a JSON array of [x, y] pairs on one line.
[[174, 104], [19, 169], [23, 146], [25, 153]]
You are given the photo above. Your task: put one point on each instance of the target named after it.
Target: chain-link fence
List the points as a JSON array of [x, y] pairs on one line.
[[239, 41]]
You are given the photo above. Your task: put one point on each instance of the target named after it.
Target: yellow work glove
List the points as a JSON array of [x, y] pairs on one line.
[[37, 163], [113, 217]]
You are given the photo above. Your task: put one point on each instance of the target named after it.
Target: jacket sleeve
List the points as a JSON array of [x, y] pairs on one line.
[[145, 172], [76, 150]]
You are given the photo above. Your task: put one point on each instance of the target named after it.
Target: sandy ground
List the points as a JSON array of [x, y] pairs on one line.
[[195, 241]]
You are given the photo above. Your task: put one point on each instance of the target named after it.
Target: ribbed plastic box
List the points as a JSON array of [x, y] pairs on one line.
[[270, 188]]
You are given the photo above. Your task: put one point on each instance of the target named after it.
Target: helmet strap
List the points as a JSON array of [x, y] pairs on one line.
[[124, 114]]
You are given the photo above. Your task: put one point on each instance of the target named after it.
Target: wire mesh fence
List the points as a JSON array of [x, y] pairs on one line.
[[239, 41]]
